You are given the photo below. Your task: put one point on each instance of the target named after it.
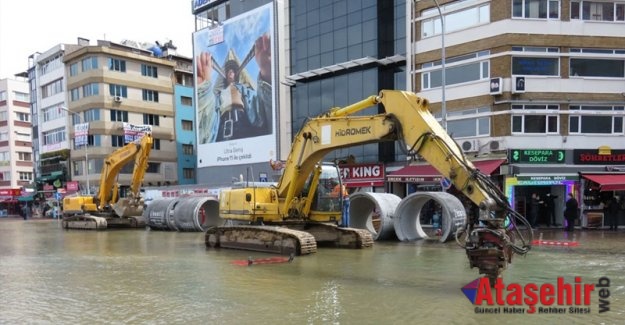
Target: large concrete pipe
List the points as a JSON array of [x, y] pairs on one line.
[[158, 214], [407, 222], [197, 213], [374, 212]]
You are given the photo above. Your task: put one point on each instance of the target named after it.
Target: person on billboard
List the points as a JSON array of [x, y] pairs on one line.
[[230, 108]]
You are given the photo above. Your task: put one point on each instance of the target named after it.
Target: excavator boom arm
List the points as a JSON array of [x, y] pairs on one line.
[[116, 161], [408, 119]]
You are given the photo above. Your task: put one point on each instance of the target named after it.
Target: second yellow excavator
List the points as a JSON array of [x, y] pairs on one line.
[[295, 215], [106, 208]]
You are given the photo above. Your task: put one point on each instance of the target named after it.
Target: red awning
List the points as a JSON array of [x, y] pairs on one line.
[[608, 182], [427, 173]]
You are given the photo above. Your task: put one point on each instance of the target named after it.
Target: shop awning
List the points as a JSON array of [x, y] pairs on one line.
[[51, 177], [608, 182], [427, 173], [27, 198]]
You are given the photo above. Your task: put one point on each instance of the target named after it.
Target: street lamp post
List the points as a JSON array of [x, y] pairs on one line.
[[443, 103], [80, 120]]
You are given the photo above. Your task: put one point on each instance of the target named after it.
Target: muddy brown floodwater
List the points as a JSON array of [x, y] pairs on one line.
[[53, 276]]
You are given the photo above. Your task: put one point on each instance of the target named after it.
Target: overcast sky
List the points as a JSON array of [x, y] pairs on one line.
[[29, 26]]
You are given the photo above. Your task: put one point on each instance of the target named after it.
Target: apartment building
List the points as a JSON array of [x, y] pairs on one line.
[[114, 89], [16, 153], [186, 128], [539, 82]]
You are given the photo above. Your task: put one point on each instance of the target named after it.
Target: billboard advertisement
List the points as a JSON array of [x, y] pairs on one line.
[[133, 132], [81, 134], [234, 75]]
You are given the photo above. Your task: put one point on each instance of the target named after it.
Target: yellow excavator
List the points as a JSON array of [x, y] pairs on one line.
[[287, 218], [106, 209]]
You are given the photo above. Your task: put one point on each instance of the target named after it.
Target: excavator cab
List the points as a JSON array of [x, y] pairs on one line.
[[324, 198]]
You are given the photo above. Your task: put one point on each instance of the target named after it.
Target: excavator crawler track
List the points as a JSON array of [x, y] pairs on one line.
[[332, 236], [84, 222], [269, 239]]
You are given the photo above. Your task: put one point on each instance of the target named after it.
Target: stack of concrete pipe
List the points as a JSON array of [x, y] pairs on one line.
[[183, 214], [385, 215]]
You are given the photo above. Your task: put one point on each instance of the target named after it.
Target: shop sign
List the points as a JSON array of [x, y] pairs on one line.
[[537, 156], [11, 192], [549, 178], [595, 157], [414, 179], [362, 174]]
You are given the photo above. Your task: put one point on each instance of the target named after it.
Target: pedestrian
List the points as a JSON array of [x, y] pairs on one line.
[[571, 212], [550, 209], [535, 207], [611, 213], [337, 191], [25, 211]]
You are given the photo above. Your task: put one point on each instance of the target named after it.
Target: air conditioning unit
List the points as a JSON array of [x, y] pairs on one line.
[[497, 144], [518, 85], [117, 99], [472, 145]]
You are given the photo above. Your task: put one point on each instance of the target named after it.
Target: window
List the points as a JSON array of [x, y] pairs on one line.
[[52, 88], [598, 10], [119, 116], [455, 20], [536, 9], [589, 119], [535, 65], [89, 63], [4, 136], [535, 119], [149, 71], [24, 117], [26, 176], [117, 140], [187, 125], [92, 114], [185, 100], [53, 113], [77, 167], [473, 70], [467, 123], [156, 144], [150, 95], [597, 63], [3, 115], [5, 176], [212, 17], [51, 64], [5, 156], [3, 95], [93, 140], [91, 89], [153, 167], [118, 90], [24, 156], [22, 97], [117, 65], [74, 94], [54, 136], [150, 119], [187, 149], [73, 69], [188, 173]]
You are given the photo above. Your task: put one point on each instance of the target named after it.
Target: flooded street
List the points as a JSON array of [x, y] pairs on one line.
[[50, 275]]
